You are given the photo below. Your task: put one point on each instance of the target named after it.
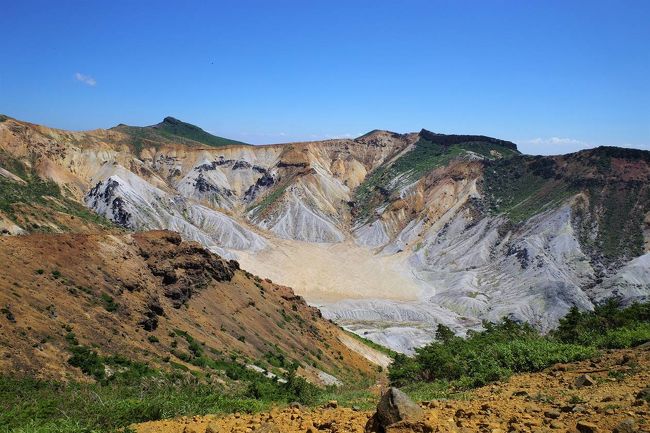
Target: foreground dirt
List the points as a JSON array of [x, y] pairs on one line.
[[539, 402]]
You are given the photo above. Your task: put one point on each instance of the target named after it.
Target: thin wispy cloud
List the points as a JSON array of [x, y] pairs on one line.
[[553, 145], [562, 141], [86, 79]]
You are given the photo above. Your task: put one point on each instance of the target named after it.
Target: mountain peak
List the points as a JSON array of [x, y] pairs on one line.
[[171, 120], [176, 130]]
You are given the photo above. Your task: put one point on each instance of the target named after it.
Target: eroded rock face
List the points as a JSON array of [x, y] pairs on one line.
[[185, 267]]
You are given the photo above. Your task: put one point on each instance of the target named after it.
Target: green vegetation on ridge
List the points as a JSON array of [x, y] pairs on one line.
[[609, 214], [35, 191], [169, 131], [171, 128]]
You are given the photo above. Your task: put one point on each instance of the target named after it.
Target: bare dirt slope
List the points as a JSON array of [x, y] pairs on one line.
[[537, 402], [147, 296]]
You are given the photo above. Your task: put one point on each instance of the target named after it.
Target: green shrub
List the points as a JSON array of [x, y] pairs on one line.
[[88, 361], [608, 326], [509, 347], [109, 303], [483, 357], [630, 336]]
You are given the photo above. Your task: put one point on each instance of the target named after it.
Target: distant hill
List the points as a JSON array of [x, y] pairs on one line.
[[172, 130], [171, 126]]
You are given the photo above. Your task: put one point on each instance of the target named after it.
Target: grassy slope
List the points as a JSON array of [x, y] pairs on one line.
[[171, 131], [524, 186], [39, 200], [515, 187], [172, 128]]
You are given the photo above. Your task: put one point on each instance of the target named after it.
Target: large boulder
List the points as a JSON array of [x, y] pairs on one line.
[[396, 412]]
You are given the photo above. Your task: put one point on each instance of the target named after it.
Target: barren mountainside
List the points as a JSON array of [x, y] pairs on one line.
[[152, 298], [389, 234]]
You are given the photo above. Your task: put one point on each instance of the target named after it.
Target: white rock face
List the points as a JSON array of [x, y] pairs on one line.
[[299, 222], [400, 325], [631, 283], [533, 275], [124, 197], [465, 267], [371, 235]]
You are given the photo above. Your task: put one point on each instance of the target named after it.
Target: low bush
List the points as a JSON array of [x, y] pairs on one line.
[[606, 324], [483, 357], [509, 347]]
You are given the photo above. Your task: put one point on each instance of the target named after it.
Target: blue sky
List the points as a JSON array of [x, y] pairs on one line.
[[553, 76]]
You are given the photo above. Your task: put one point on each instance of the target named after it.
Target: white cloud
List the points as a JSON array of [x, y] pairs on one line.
[[557, 141], [86, 79], [335, 136], [553, 145]]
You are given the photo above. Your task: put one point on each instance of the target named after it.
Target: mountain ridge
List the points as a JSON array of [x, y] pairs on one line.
[[390, 234]]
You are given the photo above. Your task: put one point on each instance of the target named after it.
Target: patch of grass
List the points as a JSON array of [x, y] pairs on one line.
[[348, 396], [378, 347], [109, 303], [436, 390], [269, 199], [28, 405]]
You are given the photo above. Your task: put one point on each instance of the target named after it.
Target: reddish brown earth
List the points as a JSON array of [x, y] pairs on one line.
[[548, 401], [51, 285]]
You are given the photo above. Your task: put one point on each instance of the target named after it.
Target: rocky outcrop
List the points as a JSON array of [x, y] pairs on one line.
[[184, 267], [397, 413]]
